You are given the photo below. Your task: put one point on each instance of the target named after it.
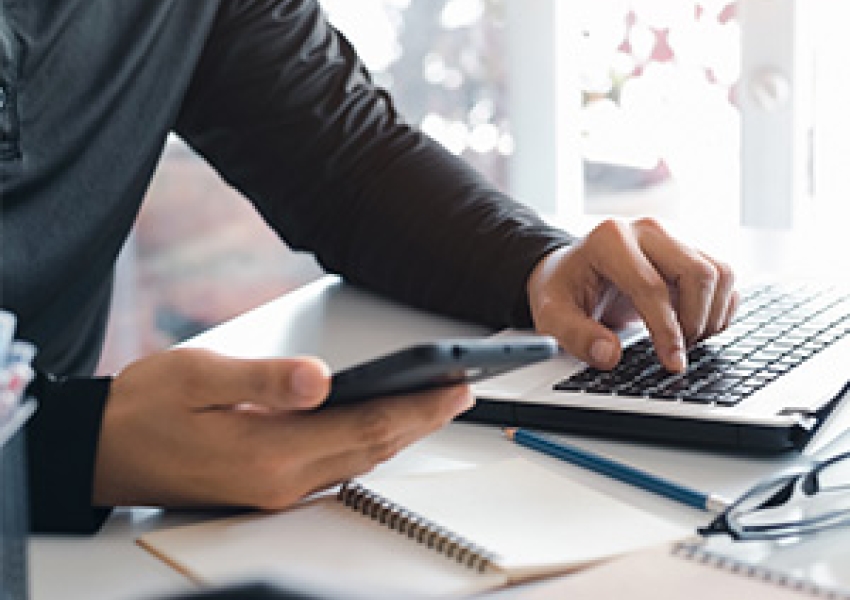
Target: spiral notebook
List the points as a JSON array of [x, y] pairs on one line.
[[816, 565], [437, 534], [662, 574]]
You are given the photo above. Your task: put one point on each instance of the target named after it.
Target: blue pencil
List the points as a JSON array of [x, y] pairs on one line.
[[618, 471]]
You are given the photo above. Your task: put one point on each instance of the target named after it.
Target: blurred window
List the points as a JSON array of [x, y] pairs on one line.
[[831, 144], [659, 126], [444, 63]]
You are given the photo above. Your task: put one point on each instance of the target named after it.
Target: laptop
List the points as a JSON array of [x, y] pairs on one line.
[[764, 385]]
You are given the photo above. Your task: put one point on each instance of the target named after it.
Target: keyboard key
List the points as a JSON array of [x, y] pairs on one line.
[[730, 399], [599, 388], [674, 384], [568, 385], [665, 395], [718, 385], [633, 390], [700, 397]]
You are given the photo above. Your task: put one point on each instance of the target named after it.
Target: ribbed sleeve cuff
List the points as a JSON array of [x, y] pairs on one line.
[[62, 445]]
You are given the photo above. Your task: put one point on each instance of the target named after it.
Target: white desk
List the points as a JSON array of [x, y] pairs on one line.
[[340, 323]]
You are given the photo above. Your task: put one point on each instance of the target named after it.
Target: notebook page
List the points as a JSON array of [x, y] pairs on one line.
[[536, 521], [319, 541]]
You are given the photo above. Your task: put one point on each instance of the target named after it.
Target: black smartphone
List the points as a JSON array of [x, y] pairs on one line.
[[437, 364]]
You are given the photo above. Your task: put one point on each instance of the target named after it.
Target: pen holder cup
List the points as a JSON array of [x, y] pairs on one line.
[[13, 506]]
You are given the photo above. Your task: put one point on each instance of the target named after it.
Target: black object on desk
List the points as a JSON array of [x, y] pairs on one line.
[[274, 590], [13, 505]]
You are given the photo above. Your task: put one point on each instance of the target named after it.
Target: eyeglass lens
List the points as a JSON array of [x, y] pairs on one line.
[[796, 503], [766, 503], [834, 474]]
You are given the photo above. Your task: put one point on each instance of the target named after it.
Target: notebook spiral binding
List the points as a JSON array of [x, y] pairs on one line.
[[422, 530], [691, 552]]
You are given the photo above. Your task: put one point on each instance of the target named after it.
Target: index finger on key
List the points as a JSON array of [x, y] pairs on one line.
[[626, 266]]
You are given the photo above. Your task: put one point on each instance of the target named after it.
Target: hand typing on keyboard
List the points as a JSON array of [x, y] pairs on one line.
[[776, 329], [624, 271]]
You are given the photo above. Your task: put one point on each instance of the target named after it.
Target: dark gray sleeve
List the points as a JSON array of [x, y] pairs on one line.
[[285, 111], [62, 442]]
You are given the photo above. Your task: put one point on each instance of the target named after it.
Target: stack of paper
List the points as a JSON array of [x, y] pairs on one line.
[[15, 368]]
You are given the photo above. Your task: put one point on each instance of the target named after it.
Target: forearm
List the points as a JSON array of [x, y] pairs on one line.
[[331, 166], [431, 232], [62, 444]]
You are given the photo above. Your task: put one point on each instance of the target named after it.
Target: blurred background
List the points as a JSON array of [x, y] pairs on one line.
[[711, 111]]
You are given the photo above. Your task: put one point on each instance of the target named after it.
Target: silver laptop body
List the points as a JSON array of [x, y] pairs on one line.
[[765, 384]]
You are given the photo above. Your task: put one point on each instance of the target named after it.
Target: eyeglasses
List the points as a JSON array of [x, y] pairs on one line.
[[804, 500]]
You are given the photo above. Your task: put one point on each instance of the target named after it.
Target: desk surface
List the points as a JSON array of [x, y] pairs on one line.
[[338, 322]]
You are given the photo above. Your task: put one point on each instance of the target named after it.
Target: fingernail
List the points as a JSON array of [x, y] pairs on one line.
[[601, 351], [307, 381], [679, 360]]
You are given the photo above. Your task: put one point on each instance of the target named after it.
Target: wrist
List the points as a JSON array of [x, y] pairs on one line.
[[542, 272]]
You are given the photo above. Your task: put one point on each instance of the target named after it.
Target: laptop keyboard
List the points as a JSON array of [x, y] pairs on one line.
[[776, 328]]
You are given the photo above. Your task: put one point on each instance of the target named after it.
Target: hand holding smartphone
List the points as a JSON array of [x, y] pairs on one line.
[[437, 364]]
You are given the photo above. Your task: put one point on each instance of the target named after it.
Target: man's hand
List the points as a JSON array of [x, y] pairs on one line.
[[621, 272], [192, 428]]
